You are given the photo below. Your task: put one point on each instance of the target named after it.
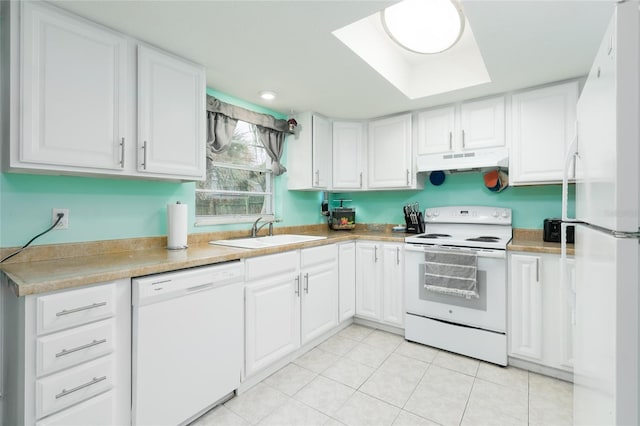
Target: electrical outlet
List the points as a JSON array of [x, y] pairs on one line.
[[64, 223]]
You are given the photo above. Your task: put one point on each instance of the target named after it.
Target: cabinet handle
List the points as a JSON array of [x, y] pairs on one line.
[[360, 179], [83, 308], [297, 290], [397, 255], [450, 141], [408, 177], [144, 155], [122, 153], [462, 138], [95, 380], [79, 348], [306, 283], [375, 254], [317, 177], [537, 269]]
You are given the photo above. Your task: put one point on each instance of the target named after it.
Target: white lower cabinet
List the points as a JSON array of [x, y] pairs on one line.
[[290, 299], [540, 310], [346, 280], [379, 282], [69, 352]]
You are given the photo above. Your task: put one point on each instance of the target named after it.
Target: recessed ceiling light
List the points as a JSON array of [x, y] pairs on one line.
[[268, 95], [422, 26]]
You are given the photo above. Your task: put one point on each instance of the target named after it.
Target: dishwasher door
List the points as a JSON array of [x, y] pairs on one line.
[[187, 342]]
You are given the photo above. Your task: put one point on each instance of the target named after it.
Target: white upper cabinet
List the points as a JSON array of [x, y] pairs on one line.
[[436, 128], [390, 153], [309, 153], [462, 127], [73, 91], [348, 155], [482, 123], [171, 115], [543, 125], [73, 105]]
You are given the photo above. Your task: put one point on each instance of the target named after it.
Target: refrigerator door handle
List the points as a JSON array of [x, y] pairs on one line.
[[572, 153]]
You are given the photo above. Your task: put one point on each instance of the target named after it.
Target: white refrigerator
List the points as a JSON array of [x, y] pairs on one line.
[[607, 162]]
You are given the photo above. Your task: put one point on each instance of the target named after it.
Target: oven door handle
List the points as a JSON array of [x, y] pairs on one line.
[[496, 254]]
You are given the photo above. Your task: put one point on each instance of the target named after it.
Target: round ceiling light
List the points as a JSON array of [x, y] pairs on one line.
[[424, 26], [268, 95]]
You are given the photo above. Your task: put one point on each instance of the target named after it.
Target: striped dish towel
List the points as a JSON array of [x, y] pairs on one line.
[[451, 273]]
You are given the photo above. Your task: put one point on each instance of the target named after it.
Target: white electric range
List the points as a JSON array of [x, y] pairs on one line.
[[475, 327]]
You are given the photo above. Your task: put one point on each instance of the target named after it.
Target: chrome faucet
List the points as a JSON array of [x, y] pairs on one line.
[[255, 228]]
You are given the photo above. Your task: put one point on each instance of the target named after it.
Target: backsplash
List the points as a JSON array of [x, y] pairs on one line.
[[530, 204]]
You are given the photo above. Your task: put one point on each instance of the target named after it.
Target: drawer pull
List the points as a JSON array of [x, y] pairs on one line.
[[77, 388], [83, 308], [79, 348]]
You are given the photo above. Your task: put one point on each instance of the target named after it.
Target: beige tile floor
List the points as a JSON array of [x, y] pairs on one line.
[[363, 376]]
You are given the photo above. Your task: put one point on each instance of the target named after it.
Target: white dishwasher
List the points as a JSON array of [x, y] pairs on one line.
[[187, 342]]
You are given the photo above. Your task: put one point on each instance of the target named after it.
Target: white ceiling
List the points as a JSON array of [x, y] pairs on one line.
[[287, 47]]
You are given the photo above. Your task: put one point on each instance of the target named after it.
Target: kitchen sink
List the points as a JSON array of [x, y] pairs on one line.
[[268, 241]]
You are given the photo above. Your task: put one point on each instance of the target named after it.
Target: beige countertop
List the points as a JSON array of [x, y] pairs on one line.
[[73, 265], [47, 268], [530, 240]]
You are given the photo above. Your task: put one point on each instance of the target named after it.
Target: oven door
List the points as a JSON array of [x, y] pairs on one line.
[[488, 312]]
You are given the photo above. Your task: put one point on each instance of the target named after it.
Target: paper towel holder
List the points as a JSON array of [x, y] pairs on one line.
[[179, 241]]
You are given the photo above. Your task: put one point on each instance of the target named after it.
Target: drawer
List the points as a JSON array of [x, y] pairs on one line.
[[68, 387], [75, 346], [75, 307], [97, 411], [273, 264]]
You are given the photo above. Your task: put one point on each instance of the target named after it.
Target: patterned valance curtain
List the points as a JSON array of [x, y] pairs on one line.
[[222, 120]]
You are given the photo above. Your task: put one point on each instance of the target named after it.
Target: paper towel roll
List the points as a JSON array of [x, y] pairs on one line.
[[177, 216]]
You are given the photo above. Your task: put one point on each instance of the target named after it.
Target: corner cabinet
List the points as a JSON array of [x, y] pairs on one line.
[[380, 282], [390, 153], [309, 153], [541, 313], [171, 117], [72, 107], [543, 126]]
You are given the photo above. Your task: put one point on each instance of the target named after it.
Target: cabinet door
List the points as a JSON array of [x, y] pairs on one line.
[[272, 320], [543, 125], [390, 152], [347, 280], [348, 155], [73, 91], [435, 130], [393, 284], [321, 152], [368, 291], [171, 115], [483, 123], [526, 306], [319, 311]]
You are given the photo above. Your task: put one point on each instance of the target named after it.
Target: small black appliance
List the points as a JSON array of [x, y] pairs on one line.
[[552, 230]]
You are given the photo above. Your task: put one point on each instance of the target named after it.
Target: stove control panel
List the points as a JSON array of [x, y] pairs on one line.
[[468, 214]]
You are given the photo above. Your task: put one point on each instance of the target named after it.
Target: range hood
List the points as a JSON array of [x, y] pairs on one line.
[[451, 162]]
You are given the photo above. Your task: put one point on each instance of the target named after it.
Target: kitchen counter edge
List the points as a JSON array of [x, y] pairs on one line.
[[50, 275]]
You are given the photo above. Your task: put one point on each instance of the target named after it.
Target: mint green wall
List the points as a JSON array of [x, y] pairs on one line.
[[104, 208], [530, 204]]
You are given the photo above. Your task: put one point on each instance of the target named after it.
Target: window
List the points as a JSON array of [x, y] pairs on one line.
[[239, 183]]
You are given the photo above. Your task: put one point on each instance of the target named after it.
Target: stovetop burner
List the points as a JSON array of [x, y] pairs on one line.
[[434, 236], [484, 238]]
